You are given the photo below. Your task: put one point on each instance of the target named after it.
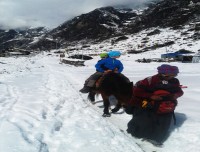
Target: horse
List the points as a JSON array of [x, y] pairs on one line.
[[117, 85]]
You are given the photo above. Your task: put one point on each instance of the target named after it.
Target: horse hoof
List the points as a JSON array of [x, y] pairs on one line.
[[106, 115], [114, 110], [93, 103]]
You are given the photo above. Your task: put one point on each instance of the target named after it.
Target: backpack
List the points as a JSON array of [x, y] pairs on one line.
[[166, 105]]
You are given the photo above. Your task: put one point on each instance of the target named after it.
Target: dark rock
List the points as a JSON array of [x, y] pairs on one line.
[[25, 52], [196, 36], [121, 38], [78, 56], [197, 27], [136, 51], [156, 46], [75, 63], [156, 31]]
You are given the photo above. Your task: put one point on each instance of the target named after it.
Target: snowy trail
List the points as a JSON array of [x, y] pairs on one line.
[[41, 109], [120, 116], [45, 113]]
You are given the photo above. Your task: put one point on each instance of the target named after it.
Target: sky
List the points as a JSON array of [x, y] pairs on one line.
[[51, 13], [42, 110]]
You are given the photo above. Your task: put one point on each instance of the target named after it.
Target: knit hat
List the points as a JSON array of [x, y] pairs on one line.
[[113, 53], [103, 55], [168, 69]]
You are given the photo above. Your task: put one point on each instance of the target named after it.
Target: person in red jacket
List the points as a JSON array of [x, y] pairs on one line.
[[164, 80], [151, 119]]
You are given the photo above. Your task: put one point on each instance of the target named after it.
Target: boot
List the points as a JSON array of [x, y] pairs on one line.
[[85, 89]]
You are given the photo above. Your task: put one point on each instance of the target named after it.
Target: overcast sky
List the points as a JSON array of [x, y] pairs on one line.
[[50, 13]]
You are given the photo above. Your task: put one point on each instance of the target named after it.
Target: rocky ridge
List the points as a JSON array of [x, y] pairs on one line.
[[112, 26]]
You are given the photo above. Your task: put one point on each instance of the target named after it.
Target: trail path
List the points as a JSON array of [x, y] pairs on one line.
[[42, 110]]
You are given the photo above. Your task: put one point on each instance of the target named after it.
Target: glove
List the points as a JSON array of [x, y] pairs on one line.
[[147, 104], [116, 70], [144, 103], [107, 71]]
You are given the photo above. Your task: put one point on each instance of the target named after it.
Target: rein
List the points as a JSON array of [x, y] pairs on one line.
[[132, 97]]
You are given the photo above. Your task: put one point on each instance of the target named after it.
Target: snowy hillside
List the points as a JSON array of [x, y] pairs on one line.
[[114, 25], [145, 42], [41, 109]]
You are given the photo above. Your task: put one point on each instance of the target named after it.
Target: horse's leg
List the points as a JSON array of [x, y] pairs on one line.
[[117, 107], [106, 104], [106, 109]]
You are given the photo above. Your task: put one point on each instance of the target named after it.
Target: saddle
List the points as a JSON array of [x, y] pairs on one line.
[[101, 78], [99, 81]]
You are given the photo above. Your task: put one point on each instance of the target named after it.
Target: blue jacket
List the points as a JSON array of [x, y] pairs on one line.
[[109, 64]]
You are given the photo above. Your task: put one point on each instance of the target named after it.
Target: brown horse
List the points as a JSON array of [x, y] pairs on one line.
[[117, 85]]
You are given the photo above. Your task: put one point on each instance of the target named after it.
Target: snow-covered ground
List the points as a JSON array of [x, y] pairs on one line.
[[41, 109]]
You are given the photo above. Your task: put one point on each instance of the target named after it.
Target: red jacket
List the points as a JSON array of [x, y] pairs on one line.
[[144, 89]]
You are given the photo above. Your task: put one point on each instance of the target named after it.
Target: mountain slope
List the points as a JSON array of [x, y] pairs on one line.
[[99, 24], [167, 13], [113, 25]]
